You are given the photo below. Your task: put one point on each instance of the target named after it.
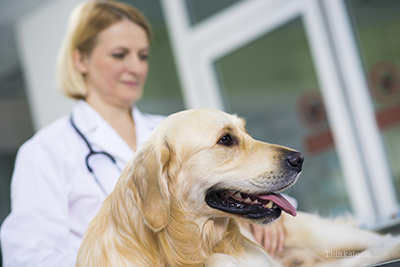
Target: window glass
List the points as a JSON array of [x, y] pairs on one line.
[[199, 10], [271, 82], [376, 24]]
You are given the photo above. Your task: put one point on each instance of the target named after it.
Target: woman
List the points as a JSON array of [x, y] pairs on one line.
[[103, 64]]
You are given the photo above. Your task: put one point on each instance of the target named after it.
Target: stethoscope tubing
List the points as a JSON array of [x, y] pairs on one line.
[[91, 153]]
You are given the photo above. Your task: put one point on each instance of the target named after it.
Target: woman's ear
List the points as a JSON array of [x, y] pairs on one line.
[[80, 61]]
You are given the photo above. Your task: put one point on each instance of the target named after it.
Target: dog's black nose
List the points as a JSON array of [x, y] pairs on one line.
[[295, 160]]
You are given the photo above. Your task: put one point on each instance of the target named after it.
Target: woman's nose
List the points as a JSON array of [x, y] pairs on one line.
[[136, 65]]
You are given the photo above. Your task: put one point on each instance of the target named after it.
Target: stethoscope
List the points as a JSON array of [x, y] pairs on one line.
[[92, 153]]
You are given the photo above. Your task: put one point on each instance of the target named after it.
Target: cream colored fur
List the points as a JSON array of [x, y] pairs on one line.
[[157, 214]]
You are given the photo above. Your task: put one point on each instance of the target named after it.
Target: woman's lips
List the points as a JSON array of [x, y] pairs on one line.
[[131, 83]]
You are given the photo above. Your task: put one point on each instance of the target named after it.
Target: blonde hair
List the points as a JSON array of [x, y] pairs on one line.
[[86, 21]]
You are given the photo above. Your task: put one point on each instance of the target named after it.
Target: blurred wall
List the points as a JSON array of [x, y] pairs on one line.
[[39, 35]]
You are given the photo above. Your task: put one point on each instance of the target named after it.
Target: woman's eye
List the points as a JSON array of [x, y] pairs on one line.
[[118, 55], [144, 57], [226, 140]]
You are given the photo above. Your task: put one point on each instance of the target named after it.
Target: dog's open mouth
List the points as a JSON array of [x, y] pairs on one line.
[[253, 207]]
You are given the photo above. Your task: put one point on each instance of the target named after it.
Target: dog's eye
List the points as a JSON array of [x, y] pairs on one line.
[[226, 140]]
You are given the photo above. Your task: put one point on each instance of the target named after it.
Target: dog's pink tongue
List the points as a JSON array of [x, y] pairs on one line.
[[282, 202]]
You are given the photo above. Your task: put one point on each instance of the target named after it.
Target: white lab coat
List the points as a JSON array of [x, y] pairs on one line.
[[53, 194]]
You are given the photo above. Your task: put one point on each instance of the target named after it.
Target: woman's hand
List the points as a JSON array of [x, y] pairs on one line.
[[271, 236]]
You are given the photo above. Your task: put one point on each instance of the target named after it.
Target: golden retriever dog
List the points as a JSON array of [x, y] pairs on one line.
[[178, 200]]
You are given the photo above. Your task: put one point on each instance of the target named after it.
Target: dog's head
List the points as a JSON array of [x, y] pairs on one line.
[[206, 161]]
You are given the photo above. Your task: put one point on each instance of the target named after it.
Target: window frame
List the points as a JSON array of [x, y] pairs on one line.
[[338, 67]]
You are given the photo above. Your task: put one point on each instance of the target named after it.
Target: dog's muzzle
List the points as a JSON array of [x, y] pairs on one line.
[[264, 207]]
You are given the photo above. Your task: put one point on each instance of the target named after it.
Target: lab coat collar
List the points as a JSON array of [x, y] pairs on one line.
[[102, 136], [143, 126]]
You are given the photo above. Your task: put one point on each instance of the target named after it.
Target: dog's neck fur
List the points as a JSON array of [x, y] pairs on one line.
[[196, 238], [185, 241]]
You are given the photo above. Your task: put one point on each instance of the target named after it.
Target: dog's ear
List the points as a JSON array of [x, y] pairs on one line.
[[149, 185]]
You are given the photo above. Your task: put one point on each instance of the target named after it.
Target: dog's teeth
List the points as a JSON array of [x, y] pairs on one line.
[[256, 201], [238, 195], [247, 200], [269, 204]]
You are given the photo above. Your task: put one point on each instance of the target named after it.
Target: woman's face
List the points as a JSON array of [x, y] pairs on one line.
[[116, 69]]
